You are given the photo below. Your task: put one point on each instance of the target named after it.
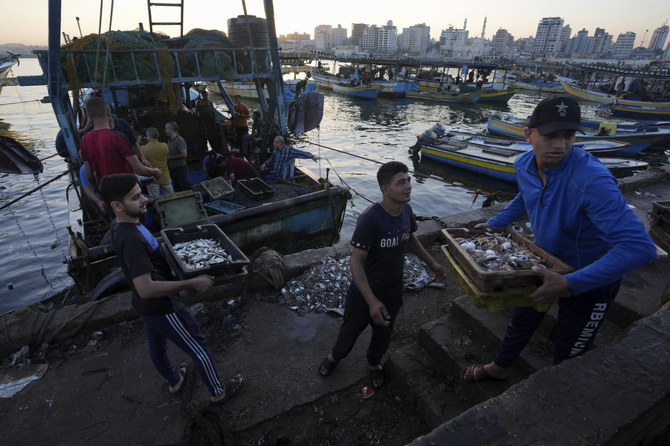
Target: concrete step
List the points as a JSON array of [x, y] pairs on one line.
[[437, 395]]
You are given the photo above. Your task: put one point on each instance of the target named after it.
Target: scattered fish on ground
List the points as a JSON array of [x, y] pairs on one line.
[[197, 253], [498, 252], [323, 288]]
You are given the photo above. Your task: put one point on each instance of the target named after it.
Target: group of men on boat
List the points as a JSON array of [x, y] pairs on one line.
[[110, 146]]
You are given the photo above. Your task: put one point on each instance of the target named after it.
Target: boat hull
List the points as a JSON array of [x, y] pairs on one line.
[[604, 98], [547, 87], [637, 142], [362, 92], [492, 169], [462, 98]]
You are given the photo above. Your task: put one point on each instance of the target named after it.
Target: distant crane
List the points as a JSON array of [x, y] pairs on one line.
[[645, 37]]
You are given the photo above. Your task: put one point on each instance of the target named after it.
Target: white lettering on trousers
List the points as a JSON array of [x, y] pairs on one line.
[[589, 329]]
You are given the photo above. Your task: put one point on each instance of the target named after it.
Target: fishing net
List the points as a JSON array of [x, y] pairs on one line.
[[212, 63]]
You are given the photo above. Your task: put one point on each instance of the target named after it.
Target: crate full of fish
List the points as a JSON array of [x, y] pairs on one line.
[[205, 249], [218, 188], [498, 259]]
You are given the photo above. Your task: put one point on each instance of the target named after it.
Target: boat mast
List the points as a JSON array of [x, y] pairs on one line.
[[278, 82], [59, 97]]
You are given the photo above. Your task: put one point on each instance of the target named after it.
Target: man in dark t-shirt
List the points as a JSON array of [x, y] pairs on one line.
[[384, 231], [154, 294]]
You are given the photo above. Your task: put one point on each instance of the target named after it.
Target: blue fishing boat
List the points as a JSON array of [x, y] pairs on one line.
[[637, 140], [357, 91], [149, 84], [496, 160]]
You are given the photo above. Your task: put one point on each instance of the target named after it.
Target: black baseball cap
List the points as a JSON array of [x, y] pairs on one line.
[[554, 114]]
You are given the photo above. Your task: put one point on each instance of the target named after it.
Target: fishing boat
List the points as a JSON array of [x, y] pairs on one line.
[[645, 112], [148, 86], [445, 96], [498, 162], [537, 85], [438, 134], [248, 90], [324, 79], [492, 95], [6, 63], [357, 91], [637, 140], [605, 98]]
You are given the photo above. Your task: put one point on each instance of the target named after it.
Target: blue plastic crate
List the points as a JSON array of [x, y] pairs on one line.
[[196, 177], [223, 206]]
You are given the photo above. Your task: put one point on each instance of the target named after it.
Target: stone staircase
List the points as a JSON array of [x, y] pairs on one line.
[[429, 369]]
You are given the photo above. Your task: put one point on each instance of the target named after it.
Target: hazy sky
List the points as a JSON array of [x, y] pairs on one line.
[[25, 21]]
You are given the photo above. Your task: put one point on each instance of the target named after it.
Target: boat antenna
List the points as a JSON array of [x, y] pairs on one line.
[[110, 39]]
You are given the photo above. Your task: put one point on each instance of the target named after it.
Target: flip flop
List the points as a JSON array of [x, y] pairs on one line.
[[326, 367], [180, 385], [377, 375], [230, 388], [477, 373]]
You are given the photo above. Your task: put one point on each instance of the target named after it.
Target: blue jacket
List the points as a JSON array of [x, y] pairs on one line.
[[581, 217]]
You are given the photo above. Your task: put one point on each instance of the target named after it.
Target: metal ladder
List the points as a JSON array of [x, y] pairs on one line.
[[179, 4]]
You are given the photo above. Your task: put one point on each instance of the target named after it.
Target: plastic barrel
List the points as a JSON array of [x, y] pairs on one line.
[[239, 38]]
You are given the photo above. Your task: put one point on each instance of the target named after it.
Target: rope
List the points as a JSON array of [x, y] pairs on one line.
[[423, 175], [345, 183], [33, 190], [20, 102]]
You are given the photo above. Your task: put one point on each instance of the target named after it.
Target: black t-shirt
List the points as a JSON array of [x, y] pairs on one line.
[[385, 238], [139, 254]]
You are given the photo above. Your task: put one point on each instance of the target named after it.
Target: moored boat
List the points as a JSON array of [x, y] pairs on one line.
[[6, 63], [537, 85], [637, 140], [644, 112], [498, 162], [357, 91], [445, 96], [605, 98]]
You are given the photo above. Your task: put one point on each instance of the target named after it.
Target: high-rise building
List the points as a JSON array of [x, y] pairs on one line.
[[322, 37], [452, 39], [548, 37], [387, 38], [582, 44], [502, 41], [602, 42], [623, 45], [564, 41], [369, 38], [658, 38], [338, 36], [357, 31], [415, 38]]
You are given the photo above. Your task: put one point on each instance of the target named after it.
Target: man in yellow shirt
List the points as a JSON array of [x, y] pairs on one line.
[[156, 153]]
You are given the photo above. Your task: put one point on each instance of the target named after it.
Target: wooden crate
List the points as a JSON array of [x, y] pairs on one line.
[[488, 281]]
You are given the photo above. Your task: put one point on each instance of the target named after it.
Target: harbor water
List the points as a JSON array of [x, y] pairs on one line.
[[34, 236]]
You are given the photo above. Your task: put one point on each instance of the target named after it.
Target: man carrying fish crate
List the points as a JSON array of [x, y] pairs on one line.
[[384, 232], [579, 215], [154, 294]]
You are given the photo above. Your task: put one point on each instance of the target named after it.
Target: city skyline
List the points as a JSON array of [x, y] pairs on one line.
[[521, 19]]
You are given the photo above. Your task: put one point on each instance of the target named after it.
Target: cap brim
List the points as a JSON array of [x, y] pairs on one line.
[[558, 125]]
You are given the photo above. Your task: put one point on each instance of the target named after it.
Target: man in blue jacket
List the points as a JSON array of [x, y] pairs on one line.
[[579, 215]]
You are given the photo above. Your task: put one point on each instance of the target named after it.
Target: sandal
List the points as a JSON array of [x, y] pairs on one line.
[[377, 375], [177, 388], [476, 373], [326, 367], [230, 388]]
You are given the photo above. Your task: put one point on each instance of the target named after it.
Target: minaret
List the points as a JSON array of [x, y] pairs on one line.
[[484, 28], [465, 24]]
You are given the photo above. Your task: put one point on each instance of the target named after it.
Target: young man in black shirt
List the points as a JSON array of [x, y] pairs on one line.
[[384, 231], [154, 297]]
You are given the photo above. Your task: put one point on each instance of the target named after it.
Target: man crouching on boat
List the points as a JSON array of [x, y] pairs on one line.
[[384, 232], [154, 295]]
